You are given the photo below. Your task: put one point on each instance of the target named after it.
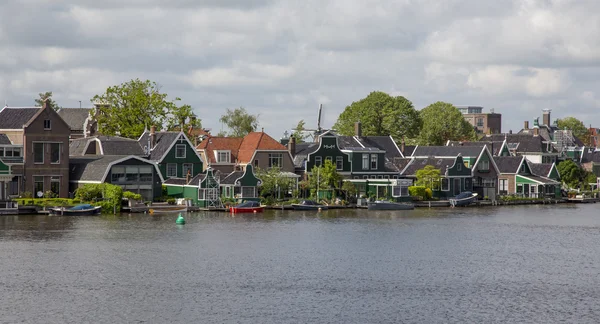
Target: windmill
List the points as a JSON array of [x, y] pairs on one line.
[[314, 133]]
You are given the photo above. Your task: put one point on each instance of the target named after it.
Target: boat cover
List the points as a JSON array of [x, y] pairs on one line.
[[248, 204], [464, 194], [82, 207]]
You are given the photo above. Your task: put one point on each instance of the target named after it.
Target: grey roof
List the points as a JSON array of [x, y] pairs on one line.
[[508, 164], [111, 145], [408, 150], [302, 151], [76, 146], [590, 155], [493, 146], [74, 117], [5, 140], [196, 180], [230, 178], [540, 169], [547, 133], [419, 163], [527, 142], [448, 151], [175, 181], [90, 168], [15, 118], [163, 142], [400, 163]]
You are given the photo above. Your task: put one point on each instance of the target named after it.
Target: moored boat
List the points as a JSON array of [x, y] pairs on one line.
[[167, 209], [79, 210], [247, 207], [389, 205], [463, 199], [309, 205]]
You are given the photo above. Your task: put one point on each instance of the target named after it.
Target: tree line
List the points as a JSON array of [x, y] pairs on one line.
[[129, 108]]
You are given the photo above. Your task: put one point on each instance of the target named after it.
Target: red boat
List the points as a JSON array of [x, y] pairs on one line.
[[247, 207]]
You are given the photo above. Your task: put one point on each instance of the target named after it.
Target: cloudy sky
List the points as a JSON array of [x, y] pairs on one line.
[[281, 59]]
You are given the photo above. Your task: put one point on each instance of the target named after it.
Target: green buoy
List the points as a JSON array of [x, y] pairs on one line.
[[180, 220]]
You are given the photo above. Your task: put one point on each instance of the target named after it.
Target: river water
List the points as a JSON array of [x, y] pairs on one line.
[[522, 264]]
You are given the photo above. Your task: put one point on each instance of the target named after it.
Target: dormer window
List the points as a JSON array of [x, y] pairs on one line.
[[180, 151], [223, 156], [47, 124]]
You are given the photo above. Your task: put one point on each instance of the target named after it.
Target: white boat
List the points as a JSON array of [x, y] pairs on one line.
[[463, 199]]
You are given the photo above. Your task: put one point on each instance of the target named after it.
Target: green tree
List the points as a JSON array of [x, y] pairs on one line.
[[39, 102], [442, 122], [381, 115], [349, 188], [588, 178], [274, 182], [129, 108], [299, 132], [428, 177], [182, 117], [577, 127], [570, 173], [239, 122], [324, 177]]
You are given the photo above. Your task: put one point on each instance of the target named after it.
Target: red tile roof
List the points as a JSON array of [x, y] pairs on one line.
[[242, 148]]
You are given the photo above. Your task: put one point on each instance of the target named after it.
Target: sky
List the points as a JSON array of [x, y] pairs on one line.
[[281, 59]]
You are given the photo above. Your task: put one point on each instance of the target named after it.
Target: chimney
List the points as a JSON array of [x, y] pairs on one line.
[[152, 136], [46, 104], [526, 125], [510, 131], [358, 129], [188, 176], [403, 145], [546, 117], [536, 131], [292, 145]]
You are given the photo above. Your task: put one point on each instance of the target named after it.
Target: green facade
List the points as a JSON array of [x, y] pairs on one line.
[[191, 157], [328, 148], [4, 169], [457, 180], [357, 162], [246, 181]]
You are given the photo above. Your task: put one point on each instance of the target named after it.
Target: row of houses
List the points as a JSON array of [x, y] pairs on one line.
[[45, 151]]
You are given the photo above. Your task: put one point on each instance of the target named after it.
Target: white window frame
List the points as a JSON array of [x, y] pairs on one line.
[[167, 170], [253, 192], [339, 163], [177, 147], [275, 157], [201, 194], [374, 159], [227, 158], [447, 188], [191, 165], [503, 185], [365, 161], [484, 166], [43, 152], [318, 161]]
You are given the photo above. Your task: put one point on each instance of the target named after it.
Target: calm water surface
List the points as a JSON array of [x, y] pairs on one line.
[[534, 264]]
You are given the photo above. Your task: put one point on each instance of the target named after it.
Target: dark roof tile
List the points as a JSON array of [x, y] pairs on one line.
[[448, 151], [15, 118], [419, 163], [4, 140], [74, 117], [508, 164]]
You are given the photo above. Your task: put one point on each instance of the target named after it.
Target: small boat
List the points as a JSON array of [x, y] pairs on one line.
[[463, 199], [389, 205], [247, 207], [167, 210], [309, 205], [79, 210]]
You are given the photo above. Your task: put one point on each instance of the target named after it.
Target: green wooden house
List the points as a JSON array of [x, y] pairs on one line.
[[241, 185], [520, 177], [175, 155], [456, 177]]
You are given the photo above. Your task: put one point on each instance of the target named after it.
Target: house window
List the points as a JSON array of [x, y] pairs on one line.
[[365, 177], [503, 186], [187, 168], [339, 162], [522, 167], [55, 185], [400, 191], [55, 153], [365, 161], [318, 160], [468, 183], [117, 174], [131, 173], [223, 156], [180, 151], [227, 192], [38, 152], [445, 184], [201, 194], [275, 160], [373, 161], [38, 185], [14, 152], [47, 124], [484, 166], [256, 163], [479, 122], [171, 169], [145, 173], [248, 192]]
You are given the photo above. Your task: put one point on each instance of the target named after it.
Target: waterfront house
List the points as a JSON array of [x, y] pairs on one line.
[[518, 178], [456, 177], [530, 145], [11, 168], [241, 185], [478, 158], [44, 136], [175, 155]]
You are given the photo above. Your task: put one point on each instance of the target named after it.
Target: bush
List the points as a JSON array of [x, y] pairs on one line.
[[428, 193], [110, 195], [171, 201], [132, 195], [26, 194], [417, 191]]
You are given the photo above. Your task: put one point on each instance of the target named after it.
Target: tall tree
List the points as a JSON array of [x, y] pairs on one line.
[[381, 115], [577, 127], [182, 117], [442, 122], [428, 177], [239, 122], [129, 108], [570, 173], [39, 102], [299, 132]]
